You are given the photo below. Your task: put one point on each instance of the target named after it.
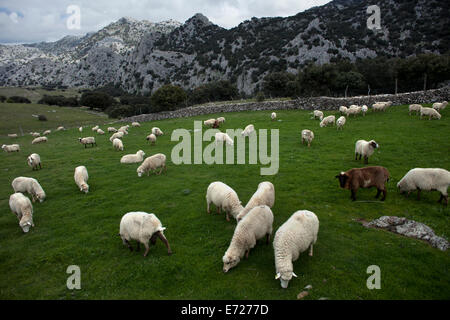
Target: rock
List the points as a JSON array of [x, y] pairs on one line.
[[323, 298], [302, 294], [186, 191]]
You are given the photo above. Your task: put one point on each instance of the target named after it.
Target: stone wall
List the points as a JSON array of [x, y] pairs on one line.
[[311, 103]]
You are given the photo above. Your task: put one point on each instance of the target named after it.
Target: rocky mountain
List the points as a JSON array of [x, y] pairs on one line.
[[141, 56]]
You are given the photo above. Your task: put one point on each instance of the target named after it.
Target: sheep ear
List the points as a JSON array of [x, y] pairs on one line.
[[162, 229], [293, 274], [277, 276]]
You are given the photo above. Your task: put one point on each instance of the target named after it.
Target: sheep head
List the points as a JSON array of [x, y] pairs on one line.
[[285, 277], [343, 177], [84, 187], [229, 261], [373, 144]]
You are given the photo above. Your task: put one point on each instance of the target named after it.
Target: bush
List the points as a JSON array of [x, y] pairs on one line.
[[214, 91], [17, 99], [120, 111], [168, 97], [98, 100], [59, 101], [42, 117], [2, 98], [260, 97]]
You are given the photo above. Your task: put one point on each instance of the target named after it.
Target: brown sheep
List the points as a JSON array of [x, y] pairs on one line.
[[367, 177]]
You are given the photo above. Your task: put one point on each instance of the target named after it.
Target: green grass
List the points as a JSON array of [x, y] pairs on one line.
[[81, 229], [35, 94]]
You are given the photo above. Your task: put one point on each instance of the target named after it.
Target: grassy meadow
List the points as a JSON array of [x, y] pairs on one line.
[[73, 228]]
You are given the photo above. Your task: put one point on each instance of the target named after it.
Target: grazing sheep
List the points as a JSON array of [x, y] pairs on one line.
[[308, 136], [117, 135], [117, 144], [151, 138], [365, 149], [124, 131], [142, 227], [157, 132], [248, 130], [340, 122], [81, 177], [223, 137], [216, 124], [220, 120], [209, 122], [124, 128], [60, 128], [439, 105], [430, 112], [135, 124], [46, 132], [327, 120], [30, 185], [254, 226], [343, 110], [415, 108], [80, 129], [95, 128], [294, 236], [273, 116], [112, 129], [133, 158], [364, 109], [39, 140], [152, 163], [382, 106], [23, 209], [427, 179], [223, 197], [100, 131], [264, 195], [35, 134], [12, 135], [354, 110], [34, 160], [367, 177], [87, 140], [11, 147], [317, 114]]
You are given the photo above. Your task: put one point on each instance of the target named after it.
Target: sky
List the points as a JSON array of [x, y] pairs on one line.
[[29, 21]]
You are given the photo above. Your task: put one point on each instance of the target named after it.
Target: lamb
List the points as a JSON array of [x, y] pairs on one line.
[[80, 129], [35, 134], [415, 108], [142, 227], [317, 114], [87, 140], [60, 128], [367, 177], [81, 177], [117, 144], [11, 147], [95, 128], [308, 136], [100, 131], [223, 197], [382, 106], [364, 109], [133, 158], [112, 129], [34, 160], [151, 138], [343, 110], [427, 179], [152, 163], [264, 195], [39, 140], [12, 135], [273, 116], [327, 120], [354, 110], [255, 225], [340, 122], [439, 105], [248, 130], [365, 149], [135, 124], [117, 135], [223, 137], [294, 236], [157, 132], [46, 132], [209, 122], [23, 209], [124, 131], [30, 185], [430, 112]]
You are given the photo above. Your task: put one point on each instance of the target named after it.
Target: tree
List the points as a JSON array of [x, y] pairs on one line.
[[98, 100], [280, 84], [168, 97]]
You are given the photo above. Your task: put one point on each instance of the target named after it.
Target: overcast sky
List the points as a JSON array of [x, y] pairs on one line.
[[27, 21]]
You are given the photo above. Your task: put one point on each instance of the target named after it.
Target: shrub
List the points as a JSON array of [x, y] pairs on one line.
[[2, 98], [59, 101], [17, 99], [260, 97], [98, 100], [42, 117], [168, 97]]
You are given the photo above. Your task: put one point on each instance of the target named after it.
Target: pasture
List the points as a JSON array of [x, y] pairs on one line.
[[73, 228]]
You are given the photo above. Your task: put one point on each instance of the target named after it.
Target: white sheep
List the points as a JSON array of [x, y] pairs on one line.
[[248, 130], [294, 236], [317, 114], [439, 105], [112, 129], [157, 131], [80, 129], [117, 135], [430, 112], [365, 149], [223, 197], [382, 106], [308, 136], [81, 177], [11, 147], [364, 110], [209, 122], [135, 124], [340, 122], [133, 158], [254, 226], [12, 135], [327, 120], [23, 209], [151, 138], [273, 116], [151, 164], [117, 144], [221, 137], [39, 140], [87, 140], [343, 110], [100, 131], [35, 134], [414, 108], [142, 227], [427, 179], [264, 195], [95, 128], [34, 160], [220, 120], [46, 132], [30, 185], [60, 128], [124, 131], [354, 110]]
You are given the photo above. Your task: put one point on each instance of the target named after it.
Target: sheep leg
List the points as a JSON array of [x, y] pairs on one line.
[[218, 209], [40, 165], [418, 194], [147, 249], [246, 253], [138, 246], [311, 250], [153, 239], [366, 160], [164, 240], [268, 238], [353, 196], [384, 195], [228, 216], [378, 193], [128, 245], [356, 156], [207, 207]]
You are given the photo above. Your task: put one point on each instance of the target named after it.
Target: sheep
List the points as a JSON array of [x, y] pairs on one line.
[[216, 124], [264, 195], [87, 140], [12, 135], [294, 236], [157, 132], [327, 120], [365, 149], [133, 158], [35, 134], [124, 128], [220, 120], [223, 137], [112, 129], [39, 140], [430, 112], [117, 144], [248, 130], [60, 128], [354, 110], [415, 108], [273, 116], [34, 160], [11, 147], [80, 129], [117, 135], [308, 136], [439, 105], [151, 138], [223, 197], [254, 226], [100, 131], [142, 227], [367, 177], [124, 131], [152, 163], [95, 128], [209, 122], [427, 179], [30, 185], [135, 124], [317, 114], [81, 177], [343, 110], [23, 209], [46, 132], [340, 122], [382, 106], [364, 109]]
